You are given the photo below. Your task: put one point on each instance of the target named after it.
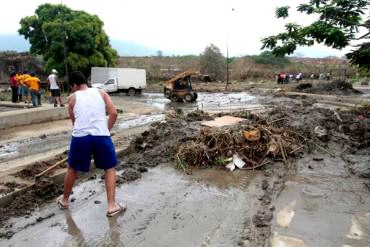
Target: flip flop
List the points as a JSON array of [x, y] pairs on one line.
[[121, 208], [60, 204]]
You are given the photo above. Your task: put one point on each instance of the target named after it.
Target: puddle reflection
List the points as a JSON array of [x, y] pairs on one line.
[[112, 238]]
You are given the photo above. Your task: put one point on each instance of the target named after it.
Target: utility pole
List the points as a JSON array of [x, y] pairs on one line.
[[227, 55], [227, 64]]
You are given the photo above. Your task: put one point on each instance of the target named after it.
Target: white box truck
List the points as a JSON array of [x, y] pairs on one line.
[[130, 81]]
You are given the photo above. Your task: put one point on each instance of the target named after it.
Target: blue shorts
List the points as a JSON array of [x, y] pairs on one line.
[[101, 148]]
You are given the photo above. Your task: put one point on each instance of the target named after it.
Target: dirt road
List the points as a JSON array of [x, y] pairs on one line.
[[206, 209]]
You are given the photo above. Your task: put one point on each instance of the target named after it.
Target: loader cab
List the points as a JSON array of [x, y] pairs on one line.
[[183, 84], [180, 89]]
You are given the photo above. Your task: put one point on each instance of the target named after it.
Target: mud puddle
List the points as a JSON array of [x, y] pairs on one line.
[[165, 206]]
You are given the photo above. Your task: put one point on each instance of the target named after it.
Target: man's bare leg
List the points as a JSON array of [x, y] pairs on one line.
[[69, 180], [110, 184]]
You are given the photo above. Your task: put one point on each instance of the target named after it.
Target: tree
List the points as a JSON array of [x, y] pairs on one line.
[[159, 53], [56, 31], [340, 23], [213, 63], [266, 57]]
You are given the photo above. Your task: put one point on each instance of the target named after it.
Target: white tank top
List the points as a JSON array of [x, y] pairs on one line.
[[53, 81], [90, 115]]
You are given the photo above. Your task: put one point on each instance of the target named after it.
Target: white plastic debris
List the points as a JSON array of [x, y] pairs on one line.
[[230, 166], [236, 162]]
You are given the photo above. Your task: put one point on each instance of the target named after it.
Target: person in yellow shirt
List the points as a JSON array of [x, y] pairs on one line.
[[33, 83], [24, 89], [18, 76]]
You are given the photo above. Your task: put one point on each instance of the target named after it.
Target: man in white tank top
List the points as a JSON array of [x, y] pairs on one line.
[[91, 138], [53, 83]]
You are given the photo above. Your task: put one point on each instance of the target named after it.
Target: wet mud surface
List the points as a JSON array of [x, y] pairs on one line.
[[323, 205], [206, 209], [212, 206]]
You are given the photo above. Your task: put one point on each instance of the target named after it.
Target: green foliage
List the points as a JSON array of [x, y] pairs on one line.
[[213, 63], [268, 58], [282, 12], [339, 23], [54, 26]]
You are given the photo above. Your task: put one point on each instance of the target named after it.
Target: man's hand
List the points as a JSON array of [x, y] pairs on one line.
[[111, 109]]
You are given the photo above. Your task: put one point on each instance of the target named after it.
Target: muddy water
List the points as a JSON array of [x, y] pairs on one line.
[[165, 208], [205, 101], [139, 121], [323, 205], [24, 147]]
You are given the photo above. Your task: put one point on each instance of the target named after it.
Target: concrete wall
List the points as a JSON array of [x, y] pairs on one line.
[[31, 116]]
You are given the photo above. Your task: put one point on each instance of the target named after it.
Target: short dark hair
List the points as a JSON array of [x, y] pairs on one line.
[[76, 77]]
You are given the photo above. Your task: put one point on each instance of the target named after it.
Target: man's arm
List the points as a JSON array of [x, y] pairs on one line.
[[71, 104], [111, 109]]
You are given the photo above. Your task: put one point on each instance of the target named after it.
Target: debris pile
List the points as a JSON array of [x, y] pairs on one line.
[[282, 133], [255, 144], [337, 87], [196, 115]]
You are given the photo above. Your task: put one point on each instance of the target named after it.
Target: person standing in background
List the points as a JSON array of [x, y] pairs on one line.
[[33, 83], [24, 89], [53, 83], [18, 76], [14, 86]]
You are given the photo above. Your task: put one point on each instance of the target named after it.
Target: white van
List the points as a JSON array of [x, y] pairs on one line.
[[130, 81]]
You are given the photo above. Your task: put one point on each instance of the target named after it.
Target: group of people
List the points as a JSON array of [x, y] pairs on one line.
[[27, 86], [283, 78]]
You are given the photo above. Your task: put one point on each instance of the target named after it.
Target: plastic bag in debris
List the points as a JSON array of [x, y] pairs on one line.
[[236, 162]]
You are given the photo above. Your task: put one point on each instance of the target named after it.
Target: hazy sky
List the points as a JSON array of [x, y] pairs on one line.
[[185, 26]]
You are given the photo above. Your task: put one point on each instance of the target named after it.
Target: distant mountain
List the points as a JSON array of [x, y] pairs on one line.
[[14, 42], [125, 48]]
